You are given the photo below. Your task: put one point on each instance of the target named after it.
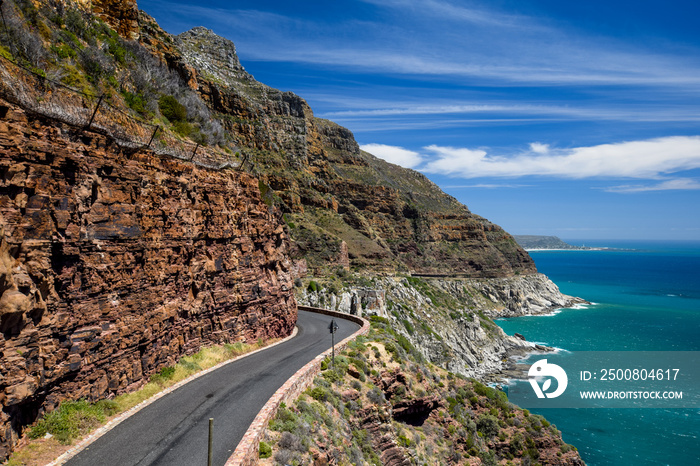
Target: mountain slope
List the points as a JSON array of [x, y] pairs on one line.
[[389, 218], [343, 206]]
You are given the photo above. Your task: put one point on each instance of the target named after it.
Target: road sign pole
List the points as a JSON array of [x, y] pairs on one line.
[[333, 327]]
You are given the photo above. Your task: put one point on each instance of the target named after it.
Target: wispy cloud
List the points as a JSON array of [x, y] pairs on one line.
[[487, 186], [638, 113], [668, 185], [442, 39], [445, 10]]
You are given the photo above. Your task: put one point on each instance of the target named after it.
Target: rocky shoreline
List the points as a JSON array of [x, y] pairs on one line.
[[449, 320], [524, 295], [513, 368]]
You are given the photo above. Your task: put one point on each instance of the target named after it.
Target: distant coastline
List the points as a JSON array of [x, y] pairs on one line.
[[581, 248], [548, 243]]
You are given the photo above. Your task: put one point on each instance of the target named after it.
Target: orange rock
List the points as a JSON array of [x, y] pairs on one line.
[[105, 279]]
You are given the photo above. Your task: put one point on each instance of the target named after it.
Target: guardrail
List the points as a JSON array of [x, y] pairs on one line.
[[55, 100], [246, 453]]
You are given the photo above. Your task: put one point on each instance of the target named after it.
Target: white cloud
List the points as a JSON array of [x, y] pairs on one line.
[[649, 159], [675, 184], [398, 155], [539, 148]]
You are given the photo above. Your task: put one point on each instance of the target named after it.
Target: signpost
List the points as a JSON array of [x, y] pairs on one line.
[[333, 327]]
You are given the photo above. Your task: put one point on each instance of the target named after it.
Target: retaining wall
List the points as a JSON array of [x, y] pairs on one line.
[[246, 453]]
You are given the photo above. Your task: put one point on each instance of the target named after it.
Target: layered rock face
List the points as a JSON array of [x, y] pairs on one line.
[[521, 296], [445, 318], [114, 264], [387, 217]]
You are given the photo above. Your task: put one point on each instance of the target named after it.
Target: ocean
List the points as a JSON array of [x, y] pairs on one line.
[[646, 297]]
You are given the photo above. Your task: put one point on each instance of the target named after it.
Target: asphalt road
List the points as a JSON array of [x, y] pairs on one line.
[[174, 430]]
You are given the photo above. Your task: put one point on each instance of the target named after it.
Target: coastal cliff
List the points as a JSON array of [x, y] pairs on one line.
[[448, 320], [113, 264], [116, 261], [340, 201]]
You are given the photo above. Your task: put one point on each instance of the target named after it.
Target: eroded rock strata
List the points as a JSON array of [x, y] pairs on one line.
[[339, 200], [114, 264]]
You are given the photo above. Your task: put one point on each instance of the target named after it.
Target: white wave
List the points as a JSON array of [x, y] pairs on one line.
[[552, 313], [556, 348]]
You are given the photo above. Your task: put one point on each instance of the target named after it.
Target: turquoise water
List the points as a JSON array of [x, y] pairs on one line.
[[646, 298]]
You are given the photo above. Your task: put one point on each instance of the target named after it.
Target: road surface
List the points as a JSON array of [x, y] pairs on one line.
[[174, 430]]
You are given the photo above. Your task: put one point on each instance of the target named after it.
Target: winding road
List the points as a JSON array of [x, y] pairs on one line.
[[174, 430]]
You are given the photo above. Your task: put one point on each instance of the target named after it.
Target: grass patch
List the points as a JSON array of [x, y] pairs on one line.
[[187, 366], [73, 420]]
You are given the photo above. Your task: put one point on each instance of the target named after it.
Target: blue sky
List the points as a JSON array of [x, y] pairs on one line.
[[576, 119]]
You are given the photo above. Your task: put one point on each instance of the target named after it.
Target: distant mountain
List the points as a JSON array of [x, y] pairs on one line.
[[543, 242]]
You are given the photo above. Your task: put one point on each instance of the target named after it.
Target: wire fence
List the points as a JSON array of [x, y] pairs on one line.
[[55, 100]]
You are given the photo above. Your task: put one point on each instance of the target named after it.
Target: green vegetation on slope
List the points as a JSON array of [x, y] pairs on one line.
[[381, 400], [67, 44]]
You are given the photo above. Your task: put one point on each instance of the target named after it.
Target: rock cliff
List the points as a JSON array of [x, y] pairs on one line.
[[336, 196], [448, 320], [114, 263]]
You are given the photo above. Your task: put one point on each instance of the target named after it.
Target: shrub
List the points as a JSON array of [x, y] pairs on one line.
[[378, 320], [183, 128], [172, 109], [64, 51], [91, 65], [285, 420], [265, 450], [376, 396], [283, 457], [404, 441], [488, 458], [332, 375], [135, 101], [319, 394], [75, 23], [115, 48], [488, 425], [290, 441]]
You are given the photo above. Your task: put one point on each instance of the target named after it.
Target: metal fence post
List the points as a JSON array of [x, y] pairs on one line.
[[153, 136], [95, 112], [194, 152], [211, 441]]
